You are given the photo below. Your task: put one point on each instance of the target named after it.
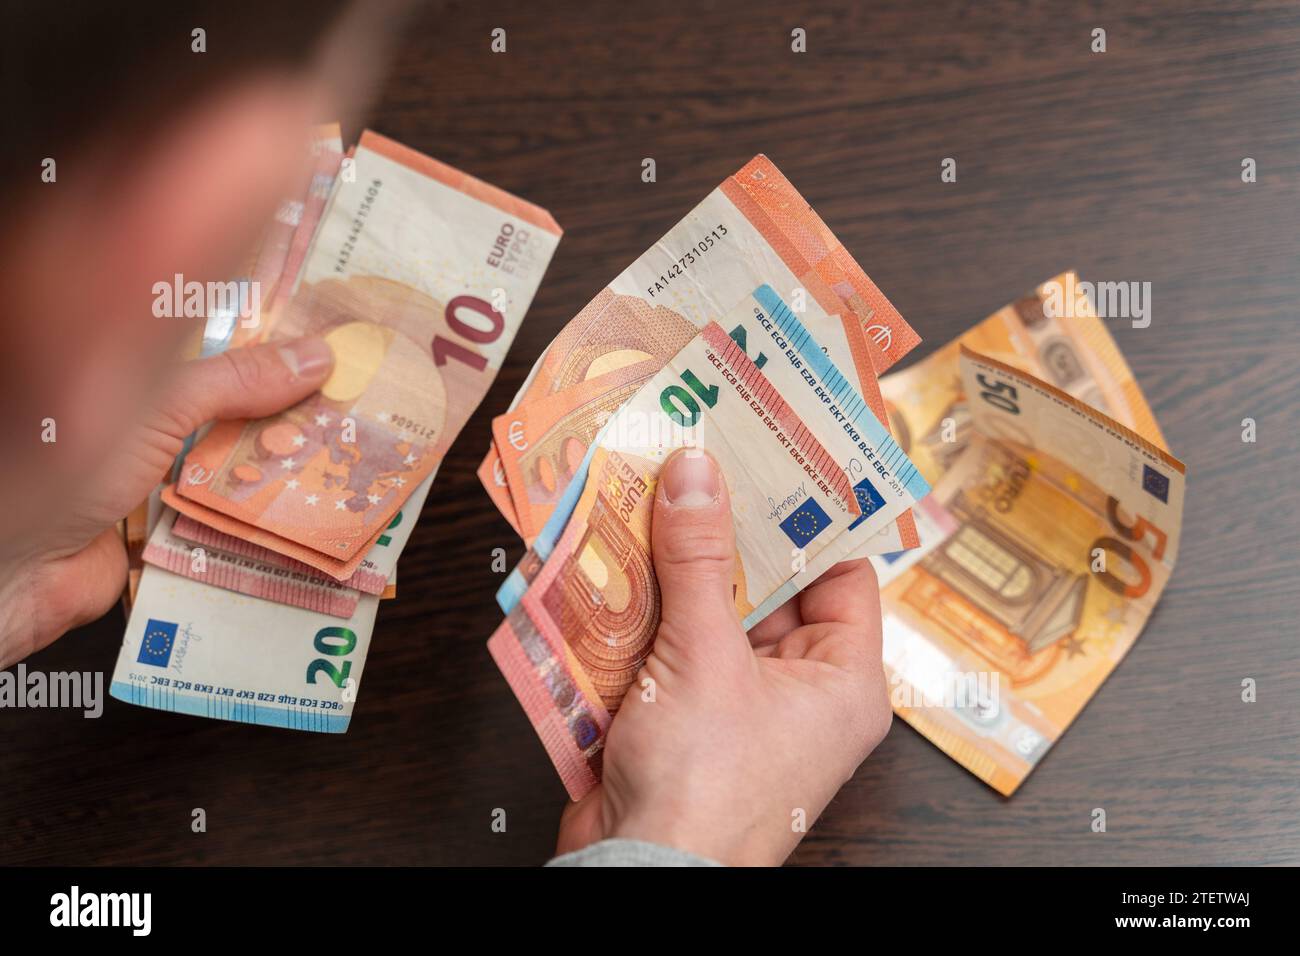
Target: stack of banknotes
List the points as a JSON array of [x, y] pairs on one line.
[[262, 562], [748, 330]]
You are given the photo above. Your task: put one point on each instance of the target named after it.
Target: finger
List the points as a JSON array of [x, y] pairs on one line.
[[68, 592], [847, 593], [776, 625], [581, 823], [247, 382], [90, 582], [841, 620], [789, 615], [694, 556], [844, 567]]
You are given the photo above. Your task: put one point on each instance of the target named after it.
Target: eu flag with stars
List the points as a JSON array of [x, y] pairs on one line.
[[156, 648], [869, 500], [1155, 484], [805, 522]]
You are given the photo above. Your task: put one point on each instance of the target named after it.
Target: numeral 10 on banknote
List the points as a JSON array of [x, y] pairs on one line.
[[444, 349], [674, 396]]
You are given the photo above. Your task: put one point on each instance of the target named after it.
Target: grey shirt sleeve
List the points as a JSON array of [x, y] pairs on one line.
[[629, 853]]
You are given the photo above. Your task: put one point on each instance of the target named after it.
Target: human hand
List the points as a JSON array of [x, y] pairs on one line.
[[75, 570], [744, 731]]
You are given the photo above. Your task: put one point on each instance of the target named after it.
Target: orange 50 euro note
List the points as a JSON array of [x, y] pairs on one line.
[[572, 646], [418, 279], [1051, 533]]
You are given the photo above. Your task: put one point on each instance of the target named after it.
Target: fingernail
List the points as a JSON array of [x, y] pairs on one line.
[[307, 358], [690, 479]]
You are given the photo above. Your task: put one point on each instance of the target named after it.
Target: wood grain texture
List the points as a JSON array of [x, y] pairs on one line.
[[1125, 166]]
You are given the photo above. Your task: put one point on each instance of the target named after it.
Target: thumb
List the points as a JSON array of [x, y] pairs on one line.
[[248, 382], [694, 554]]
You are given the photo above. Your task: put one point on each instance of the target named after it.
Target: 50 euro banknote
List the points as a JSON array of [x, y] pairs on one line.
[[417, 278], [1047, 541], [752, 230], [572, 645]]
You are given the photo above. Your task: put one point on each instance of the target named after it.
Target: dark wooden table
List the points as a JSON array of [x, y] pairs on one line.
[[1125, 165]]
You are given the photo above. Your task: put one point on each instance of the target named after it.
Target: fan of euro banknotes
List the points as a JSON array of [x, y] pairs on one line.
[[1010, 591]]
